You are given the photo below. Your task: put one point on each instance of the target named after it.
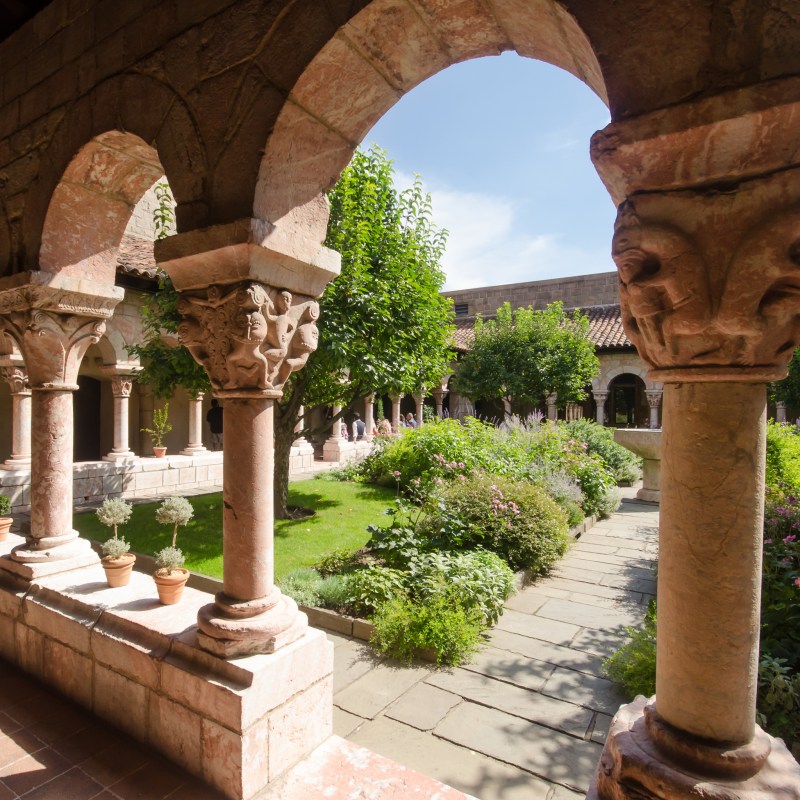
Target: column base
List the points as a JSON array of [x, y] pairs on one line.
[[126, 456], [649, 495], [194, 451], [340, 450], [39, 558], [633, 767], [230, 629], [16, 462]]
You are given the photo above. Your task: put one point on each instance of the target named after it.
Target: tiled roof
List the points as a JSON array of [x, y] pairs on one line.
[[136, 257], [605, 329]]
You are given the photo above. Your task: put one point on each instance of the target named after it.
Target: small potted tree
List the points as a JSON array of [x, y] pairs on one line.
[[5, 521], [170, 576], [161, 427], [117, 561]]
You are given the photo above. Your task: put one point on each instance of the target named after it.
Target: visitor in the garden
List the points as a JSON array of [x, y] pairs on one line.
[[214, 420], [358, 428], [410, 421]]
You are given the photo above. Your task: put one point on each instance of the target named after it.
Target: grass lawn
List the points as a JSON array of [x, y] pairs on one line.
[[343, 512]]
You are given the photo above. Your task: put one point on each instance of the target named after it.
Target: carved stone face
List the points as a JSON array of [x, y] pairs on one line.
[[256, 327], [283, 302]]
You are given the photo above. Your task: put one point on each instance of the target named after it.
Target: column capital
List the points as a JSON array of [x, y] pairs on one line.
[[396, 397], [17, 379], [53, 320], [654, 397], [600, 396], [248, 336], [122, 385], [708, 280]]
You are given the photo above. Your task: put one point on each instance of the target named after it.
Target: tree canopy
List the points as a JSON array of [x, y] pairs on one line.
[[788, 390], [528, 355]]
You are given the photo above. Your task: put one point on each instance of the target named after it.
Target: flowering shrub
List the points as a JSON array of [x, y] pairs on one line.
[[625, 467], [515, 519], [780, 585]]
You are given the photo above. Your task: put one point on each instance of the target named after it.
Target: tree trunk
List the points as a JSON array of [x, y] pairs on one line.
[[284, 437]]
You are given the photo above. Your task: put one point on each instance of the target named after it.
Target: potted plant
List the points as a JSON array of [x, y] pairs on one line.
[[170, 576], [161, 427], [117, 561], [5, 521]]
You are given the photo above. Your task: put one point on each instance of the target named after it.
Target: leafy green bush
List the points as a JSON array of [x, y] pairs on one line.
[[779, 699], [513, 518], [609, 502], [374, 586], [564, 490], [5, 505], [633, 666], [335, 591], [336, 562], [441, 624], [783, 457], [481, 580], [624, 465]]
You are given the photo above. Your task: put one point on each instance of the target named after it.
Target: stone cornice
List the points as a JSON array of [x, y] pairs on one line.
[[734, 136], [249, 249]]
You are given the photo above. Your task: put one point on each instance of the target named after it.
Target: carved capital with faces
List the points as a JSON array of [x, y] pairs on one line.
[[714, 303], [122, 386], [248, 336]]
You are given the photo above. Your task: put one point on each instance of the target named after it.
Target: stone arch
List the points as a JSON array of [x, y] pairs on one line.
[[603, 381], [106, 152], [377, 56]]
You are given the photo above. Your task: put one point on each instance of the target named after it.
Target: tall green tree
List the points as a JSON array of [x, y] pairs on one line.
[[528, 355], [383, 322], [788, 390]]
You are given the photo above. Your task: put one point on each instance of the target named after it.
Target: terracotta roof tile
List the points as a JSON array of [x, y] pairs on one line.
[[605, 329], [136, 257]]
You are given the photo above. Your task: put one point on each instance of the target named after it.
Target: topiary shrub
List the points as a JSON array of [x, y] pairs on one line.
[[513, 518]]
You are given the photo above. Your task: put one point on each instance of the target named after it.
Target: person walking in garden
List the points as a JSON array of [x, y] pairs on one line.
[[214, 420]]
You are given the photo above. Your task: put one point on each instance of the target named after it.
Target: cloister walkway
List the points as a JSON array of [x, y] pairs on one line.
[[527, 718]]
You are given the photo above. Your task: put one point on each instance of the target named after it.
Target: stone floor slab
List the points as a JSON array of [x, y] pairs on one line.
[[553, 756], [370, 694], [344, 723], [423, 706], [590, 691], [589, 616], [532, 706], [546, 651], [526, 601], [352, 659], [471, 772], [538, 626], [511, 668]]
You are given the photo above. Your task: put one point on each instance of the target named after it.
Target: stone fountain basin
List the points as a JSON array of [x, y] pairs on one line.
[[645, 442]]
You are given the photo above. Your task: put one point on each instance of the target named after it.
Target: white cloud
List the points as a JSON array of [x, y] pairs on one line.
[[488, 245]]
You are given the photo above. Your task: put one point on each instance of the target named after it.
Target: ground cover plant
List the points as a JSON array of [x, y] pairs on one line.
[[634, 665], [343, 511]]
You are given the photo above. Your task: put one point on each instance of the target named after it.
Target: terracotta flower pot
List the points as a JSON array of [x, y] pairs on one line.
[[159, 452], [170, 585], [5, 526], [118, 570]]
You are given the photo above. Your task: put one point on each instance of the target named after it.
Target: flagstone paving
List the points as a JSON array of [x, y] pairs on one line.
[[527, 717]]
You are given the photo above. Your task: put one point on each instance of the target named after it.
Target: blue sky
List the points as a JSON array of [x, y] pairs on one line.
[[502, 145]]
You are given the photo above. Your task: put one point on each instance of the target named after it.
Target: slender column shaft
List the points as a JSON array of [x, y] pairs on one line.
[[120, 423], [336, 429], [420, 401], [247, 516], [552, 408], [780, 412], [51, 464], [369, 413], [21, 427], [712, 498], [196, 421], [600, 399], [396, 411], [299, 428]]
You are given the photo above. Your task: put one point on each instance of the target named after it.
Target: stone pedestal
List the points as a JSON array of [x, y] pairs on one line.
[[647, 444], [337, 448], [780, 411], [195, 444], [552, 408]]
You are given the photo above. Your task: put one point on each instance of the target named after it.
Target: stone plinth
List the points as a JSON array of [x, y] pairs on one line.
[[239, 724], [301, 456], [338, 449], [647, 444]]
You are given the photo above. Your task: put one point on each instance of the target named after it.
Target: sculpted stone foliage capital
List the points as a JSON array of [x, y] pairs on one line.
[[249, 337], [122, 386], [732, 313], [654, 399], [17, 379], [52, 343]]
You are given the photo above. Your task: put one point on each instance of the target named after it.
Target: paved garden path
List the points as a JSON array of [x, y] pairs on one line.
[[526, 719]]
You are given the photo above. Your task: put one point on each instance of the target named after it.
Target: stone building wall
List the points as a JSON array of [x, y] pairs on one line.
[[579, 291]]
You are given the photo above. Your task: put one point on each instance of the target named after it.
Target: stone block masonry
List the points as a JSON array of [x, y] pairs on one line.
[[237, 724]]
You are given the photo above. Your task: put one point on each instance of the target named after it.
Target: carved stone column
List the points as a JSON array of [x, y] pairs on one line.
[[780, 411], [419, 399], [552, 408], [369, 417], [53, 320], [600, 400], [395, 397], [707, 281], [438, 398], [17, 379], [121, 388], [250, 337], [195, 444], [654, 401]]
